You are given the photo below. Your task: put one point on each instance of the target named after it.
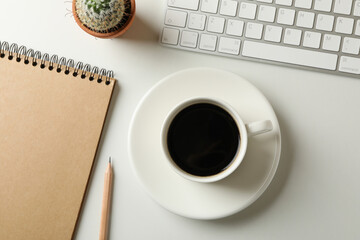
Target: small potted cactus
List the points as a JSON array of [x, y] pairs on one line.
[[104, 18]]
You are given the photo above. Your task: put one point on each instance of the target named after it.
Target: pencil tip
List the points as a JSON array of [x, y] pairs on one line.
[[110, 160]]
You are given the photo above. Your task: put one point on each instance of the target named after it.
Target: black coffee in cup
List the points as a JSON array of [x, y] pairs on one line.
[[203, 139]]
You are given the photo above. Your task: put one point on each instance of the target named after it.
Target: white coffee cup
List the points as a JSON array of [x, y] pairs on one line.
[[245, 131]]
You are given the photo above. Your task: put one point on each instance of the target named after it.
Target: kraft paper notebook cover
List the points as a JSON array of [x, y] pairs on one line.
[[50, 126]]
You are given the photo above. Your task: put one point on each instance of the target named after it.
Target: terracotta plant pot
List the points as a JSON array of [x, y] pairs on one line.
[[114, 32]]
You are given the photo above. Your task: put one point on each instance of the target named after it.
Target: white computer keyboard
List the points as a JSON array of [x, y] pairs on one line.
[[323, 35]]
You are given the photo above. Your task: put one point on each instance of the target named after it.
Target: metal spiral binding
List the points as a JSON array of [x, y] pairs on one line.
[[101, 75], [13, 49], [61, 65], [87, 68], [37, 55], [44, 59], [69, 64], [94, 70], [79, 65], [4, 47], [109, 75], [21, 51], [29, 53]]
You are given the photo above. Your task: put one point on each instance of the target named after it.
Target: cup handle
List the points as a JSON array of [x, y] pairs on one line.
[[258, 127]]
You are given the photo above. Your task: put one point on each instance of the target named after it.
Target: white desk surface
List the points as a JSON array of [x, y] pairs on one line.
[[315, 193]]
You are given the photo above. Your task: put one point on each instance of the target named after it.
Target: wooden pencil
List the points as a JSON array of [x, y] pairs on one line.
[[105, 210]]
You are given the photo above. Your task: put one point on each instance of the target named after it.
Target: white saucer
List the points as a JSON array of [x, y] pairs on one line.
[[203, 200]]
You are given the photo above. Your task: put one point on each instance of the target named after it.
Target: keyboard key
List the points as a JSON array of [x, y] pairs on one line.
[[286, 16], [229, 45], [325, 22], [323, 5], [175, 18], [343, 6], [210, 6], [189, 39], [228, 8], [273, 33], [253, 30], [170, 36], [186, 4], [265, 1], [312, 39], [349, 65], [351, 45], [331, 42], [357, 8], [216, 24], [247, 10], [290, 55], [344, 25], [266, 13], [292, 36], [357, 28], [197, 21], [234, 27], [305, 19], [284, 2], [303, 3], [208, 42]]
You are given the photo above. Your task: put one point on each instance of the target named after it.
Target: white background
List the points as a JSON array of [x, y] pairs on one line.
[[315, 193]]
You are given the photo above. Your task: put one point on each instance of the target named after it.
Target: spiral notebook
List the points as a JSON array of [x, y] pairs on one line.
[[52, 113]]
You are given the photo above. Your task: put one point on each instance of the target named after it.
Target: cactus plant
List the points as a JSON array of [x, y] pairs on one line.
[[104, 18]]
